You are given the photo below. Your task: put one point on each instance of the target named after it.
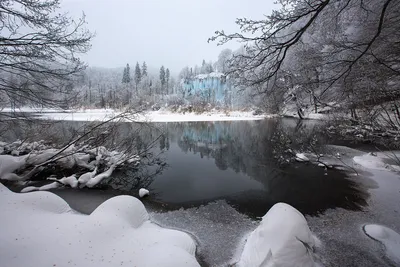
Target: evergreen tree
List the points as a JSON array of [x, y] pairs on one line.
[[144, 69], [138, 76], [167, 76], [162, 77], [126, 78]]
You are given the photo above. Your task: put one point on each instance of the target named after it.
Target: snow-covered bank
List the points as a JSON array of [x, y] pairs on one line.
[[151, 116], [291, 110], [282, 239], [32, 110], [389, 160], [40, 229]]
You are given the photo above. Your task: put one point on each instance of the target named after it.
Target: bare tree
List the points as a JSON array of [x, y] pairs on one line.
[[343, 35], [39, 48]]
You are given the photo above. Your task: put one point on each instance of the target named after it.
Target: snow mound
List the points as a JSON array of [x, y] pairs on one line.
[[126, 208], [42, 230], [378, 161], [10, 164], [389, 238], [33, 202], [282, 239], [143, 192]]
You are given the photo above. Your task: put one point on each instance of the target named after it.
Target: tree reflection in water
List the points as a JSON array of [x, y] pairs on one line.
[[263, 151]]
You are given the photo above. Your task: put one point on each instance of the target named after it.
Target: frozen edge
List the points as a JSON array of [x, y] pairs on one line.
[[389, 238]]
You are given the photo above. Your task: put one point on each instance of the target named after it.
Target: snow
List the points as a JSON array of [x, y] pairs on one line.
[[67, 158], [210, 75], [53, 185], [389, 238], [32, 109], [301, 157], [282, 239], [380, 161], [316, 116], [71, 181], [151, 116], [99, 177], [10, 164], [40, 229], [143, 192], [84, 178], [90, 115]]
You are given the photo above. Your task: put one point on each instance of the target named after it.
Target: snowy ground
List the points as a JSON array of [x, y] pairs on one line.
[[150, 116], [40, 229]]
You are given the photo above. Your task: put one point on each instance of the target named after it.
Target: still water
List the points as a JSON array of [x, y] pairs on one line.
[[250, 165]]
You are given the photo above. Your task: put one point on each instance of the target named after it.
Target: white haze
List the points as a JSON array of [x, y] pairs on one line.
[[173, 33]]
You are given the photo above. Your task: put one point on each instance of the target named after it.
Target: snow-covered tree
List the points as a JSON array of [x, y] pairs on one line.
[[167, 77], [341, 51], [39, 49], [126, 77], [222, 64], [162, 78], [138, 76], [144, 69]]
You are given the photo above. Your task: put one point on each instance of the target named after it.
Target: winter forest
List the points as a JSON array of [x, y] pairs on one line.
[[144, 133]]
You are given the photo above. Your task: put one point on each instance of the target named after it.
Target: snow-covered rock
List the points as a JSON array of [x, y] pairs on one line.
[[143, 192], [301, 157], [389, 238], [282, 239], [42, 230]]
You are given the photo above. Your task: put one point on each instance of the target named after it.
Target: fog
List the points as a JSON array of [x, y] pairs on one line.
[[173, 33]]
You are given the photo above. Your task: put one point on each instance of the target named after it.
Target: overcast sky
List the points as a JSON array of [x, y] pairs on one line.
[[172, 33]]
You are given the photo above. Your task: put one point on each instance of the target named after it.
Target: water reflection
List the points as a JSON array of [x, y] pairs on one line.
[[249, 164]]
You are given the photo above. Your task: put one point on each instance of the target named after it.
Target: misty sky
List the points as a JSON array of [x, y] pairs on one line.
[[173, 33]]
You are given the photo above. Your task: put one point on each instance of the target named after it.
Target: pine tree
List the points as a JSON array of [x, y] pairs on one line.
[[126, 78], [138, 76], [167, 76], [144, 69], [162, 77]]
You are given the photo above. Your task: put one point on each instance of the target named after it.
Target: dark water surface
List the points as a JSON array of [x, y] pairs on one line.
[[249, 164]]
